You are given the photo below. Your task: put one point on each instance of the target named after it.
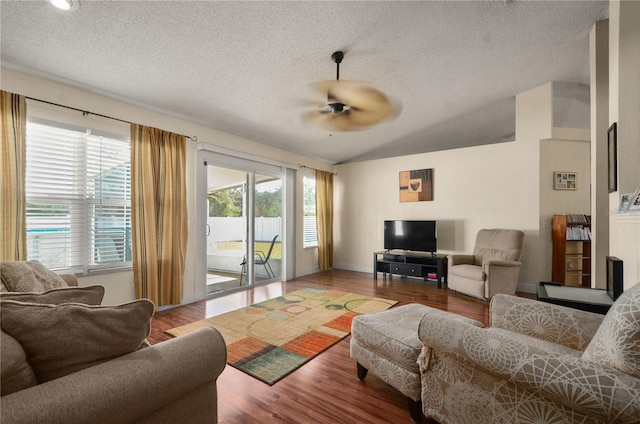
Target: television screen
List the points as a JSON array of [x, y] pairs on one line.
[[420, 236], [614, 277]]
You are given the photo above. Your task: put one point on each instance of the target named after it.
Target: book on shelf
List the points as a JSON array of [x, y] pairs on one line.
[[578, 233], [577, 219]]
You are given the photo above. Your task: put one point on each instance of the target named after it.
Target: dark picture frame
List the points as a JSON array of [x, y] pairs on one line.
[[612, 149]]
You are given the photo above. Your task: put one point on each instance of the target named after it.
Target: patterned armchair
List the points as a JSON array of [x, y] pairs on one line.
[[537, 363]]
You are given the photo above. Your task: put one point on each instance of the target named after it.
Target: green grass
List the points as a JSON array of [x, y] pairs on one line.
[[262, 246]]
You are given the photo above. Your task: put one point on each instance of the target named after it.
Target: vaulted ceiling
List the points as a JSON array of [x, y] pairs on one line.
[[245, 67]]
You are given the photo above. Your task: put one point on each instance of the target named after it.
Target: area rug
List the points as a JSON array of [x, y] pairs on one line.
[[270, 339]]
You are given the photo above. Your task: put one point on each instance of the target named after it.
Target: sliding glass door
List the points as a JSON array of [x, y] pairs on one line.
[[226, 228], [268, 227], [243, 222]]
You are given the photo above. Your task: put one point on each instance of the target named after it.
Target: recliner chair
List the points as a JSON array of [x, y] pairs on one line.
[[493, 268]]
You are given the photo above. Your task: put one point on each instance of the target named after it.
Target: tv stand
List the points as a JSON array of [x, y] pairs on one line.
[[427, 265]]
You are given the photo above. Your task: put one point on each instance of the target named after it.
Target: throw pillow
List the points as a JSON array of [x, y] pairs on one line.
[[617, 341], [18, 276], [15, 373], [63, 339], [90, 295], [48, 278]]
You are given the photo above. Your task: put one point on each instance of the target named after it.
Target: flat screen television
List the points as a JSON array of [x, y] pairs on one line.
[[614, 277], [419, 236]]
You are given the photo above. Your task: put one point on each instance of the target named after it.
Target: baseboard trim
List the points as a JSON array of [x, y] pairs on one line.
[[350, 267], [307, 271]]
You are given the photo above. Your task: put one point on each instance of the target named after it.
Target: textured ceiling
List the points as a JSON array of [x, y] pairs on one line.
[[245, 67]]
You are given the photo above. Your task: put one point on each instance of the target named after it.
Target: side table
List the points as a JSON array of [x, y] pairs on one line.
[[585, 299]]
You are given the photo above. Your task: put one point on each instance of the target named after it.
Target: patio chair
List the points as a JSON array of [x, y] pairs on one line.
[[260, 259]]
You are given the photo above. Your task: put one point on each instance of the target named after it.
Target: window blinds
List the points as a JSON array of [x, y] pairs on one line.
[[78, 190], [310, 232]]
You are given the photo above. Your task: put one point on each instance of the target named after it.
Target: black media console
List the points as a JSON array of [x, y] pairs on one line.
[[431, 267]]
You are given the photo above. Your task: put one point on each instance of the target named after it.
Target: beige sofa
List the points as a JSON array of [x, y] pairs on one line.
[[63, 362], [537, 362]]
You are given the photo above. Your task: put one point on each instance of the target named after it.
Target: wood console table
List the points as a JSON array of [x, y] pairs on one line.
[[411, 264]]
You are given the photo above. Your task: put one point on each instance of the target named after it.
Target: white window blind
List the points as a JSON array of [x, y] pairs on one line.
[[78, 192], [310, 231]]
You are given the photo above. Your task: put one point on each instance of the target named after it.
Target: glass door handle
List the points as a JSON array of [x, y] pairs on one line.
[[208, 232]]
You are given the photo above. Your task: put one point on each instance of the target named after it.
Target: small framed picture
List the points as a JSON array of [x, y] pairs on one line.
[[564, 180], [612, 144], [624, 202], [634, 201]]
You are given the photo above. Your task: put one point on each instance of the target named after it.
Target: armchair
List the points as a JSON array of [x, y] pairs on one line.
[[493, 268], [538, 362]]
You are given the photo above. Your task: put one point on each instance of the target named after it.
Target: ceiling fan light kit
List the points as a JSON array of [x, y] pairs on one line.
[[350, 105]]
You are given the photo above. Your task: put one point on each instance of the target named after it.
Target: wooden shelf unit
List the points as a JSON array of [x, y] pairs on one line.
[[571, 260]]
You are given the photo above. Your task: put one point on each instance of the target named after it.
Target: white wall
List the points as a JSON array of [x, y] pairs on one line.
[[562, 155], [493, 186], [624, 108], [599, 74], [119, 286]]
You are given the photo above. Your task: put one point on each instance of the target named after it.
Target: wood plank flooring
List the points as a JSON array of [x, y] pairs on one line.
[[326, 389]]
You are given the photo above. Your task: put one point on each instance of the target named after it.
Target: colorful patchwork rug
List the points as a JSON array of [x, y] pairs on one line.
[[270, 339]]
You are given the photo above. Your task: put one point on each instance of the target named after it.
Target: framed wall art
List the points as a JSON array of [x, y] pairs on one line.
[[612, 144], [416, 186], [564, 180]]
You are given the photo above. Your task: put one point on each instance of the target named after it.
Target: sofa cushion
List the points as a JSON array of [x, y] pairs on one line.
[[617, 341], [15, 372], [471, 272], [29, 276], [90, 295], [48, 278], [63, 339], [18, 276]]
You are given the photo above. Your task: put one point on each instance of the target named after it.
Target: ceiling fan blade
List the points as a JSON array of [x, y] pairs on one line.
[[329, 121], [368, 105]]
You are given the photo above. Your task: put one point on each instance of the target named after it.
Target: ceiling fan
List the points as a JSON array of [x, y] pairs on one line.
[[350, 105]]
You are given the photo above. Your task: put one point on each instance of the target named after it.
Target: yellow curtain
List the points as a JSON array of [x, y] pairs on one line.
[[13, 109], [324, 218], [158, 214]]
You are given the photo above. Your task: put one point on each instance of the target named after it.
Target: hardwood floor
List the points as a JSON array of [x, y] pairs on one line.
[[326, 389]]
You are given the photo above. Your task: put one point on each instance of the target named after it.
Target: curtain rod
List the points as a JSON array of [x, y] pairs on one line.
[[315, 169], [86, 112]]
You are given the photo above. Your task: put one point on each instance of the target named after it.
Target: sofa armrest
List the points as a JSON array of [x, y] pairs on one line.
[[558, 324], [453, 260], [502, 277], [70, 279], [126, 389], [488, 264], [577, 383], [443, 326]]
